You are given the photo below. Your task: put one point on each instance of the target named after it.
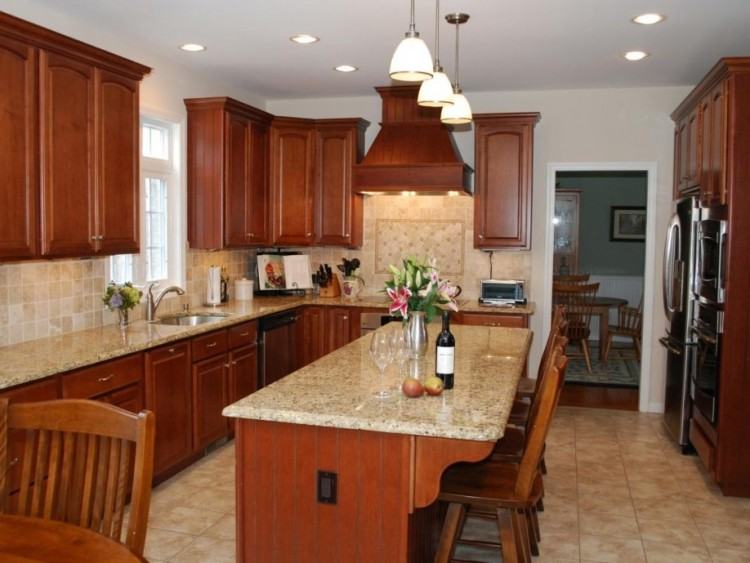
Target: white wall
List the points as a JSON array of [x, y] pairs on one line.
[[603, 125], [169, 82]]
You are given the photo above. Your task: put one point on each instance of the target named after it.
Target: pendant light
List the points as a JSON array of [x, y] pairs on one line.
[[460, 112], [411, 61], [437, 91]]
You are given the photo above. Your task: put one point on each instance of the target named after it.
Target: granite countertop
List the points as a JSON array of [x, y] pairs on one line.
[[338, 389], [29, 361]]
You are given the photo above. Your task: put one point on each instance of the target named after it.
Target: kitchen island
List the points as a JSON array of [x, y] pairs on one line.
[[327, 472]]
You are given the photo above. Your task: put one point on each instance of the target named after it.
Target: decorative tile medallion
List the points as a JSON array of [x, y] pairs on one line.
[[442, 240]]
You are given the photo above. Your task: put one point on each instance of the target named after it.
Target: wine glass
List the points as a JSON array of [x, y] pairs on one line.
[[401, 348], [381, 352]]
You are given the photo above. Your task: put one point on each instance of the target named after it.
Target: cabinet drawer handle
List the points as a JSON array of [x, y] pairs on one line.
[[226, 366], [171, 350], [13, 461], [309, 235], [246, 333], [107, 378], [345, 318], [211, 345], [346, 235], [251, 234], [234, 363]]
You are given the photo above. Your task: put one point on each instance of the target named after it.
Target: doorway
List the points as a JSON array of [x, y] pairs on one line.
[[600, 252]]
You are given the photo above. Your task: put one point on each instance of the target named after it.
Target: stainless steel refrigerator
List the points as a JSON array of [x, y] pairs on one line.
[[679, 266]]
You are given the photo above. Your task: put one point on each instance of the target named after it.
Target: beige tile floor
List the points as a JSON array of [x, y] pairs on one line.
[[617, 491]]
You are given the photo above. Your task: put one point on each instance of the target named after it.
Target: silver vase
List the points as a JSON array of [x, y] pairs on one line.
[[417, 329]]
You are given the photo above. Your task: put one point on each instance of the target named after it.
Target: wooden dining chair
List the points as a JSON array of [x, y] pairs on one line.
[[78, 462], [629, 323], [579, 306], [572, 279], [509, 490], [528, 387]]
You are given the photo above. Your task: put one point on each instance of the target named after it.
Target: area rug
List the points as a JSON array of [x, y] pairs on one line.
[[622, 370]]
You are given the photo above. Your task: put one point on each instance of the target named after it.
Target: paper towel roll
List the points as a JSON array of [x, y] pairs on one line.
[[243, 289], [213, 285]]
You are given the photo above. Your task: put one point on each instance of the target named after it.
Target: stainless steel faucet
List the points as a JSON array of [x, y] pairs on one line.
[[152, 303]]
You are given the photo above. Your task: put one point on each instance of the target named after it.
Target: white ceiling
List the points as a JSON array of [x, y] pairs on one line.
[[506, 45]]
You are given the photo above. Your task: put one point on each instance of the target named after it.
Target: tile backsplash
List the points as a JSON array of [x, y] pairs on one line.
[[47, 298]]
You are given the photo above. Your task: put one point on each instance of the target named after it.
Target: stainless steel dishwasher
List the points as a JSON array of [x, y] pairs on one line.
[[278, 350]]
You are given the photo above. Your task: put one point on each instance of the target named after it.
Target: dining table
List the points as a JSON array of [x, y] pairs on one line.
[[28, 539], [601, 308]]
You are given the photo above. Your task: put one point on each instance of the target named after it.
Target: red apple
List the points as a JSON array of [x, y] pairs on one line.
[[434, 385], [412, 387]]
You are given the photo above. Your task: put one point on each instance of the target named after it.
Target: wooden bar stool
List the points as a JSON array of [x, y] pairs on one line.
[[510, 490]]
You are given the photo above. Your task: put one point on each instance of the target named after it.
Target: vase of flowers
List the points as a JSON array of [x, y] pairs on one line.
[[417, 293], [121, 298]]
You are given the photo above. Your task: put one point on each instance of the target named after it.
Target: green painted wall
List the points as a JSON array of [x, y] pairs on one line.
[[599, 192]]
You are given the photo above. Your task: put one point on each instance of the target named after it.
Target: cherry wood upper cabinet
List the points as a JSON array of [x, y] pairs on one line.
[[338, 211], [228, 188], [18, 150], [68, 131], [713, 155], [292, 180], [688, 152], [504, 145], [117, 201], [72, 170]]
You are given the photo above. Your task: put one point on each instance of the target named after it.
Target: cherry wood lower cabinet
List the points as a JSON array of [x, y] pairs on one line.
[[489, 319], [210, 396], [169, 393], [385, 503], [243, 372]]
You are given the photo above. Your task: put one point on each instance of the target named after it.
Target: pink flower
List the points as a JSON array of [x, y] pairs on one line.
[[447, 293], [434, 276], [399, 300]]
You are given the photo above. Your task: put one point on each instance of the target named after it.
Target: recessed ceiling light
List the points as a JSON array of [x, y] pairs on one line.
[[304, 38], [346, 68], [192, 47], [648, 19], [635, 55]]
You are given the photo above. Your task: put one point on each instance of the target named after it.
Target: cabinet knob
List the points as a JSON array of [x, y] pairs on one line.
[[93, 237], [171, 350], [346, 235], [226, 366], [234, 363], [480, 236], [13, 461], [244, 334], [107, 378], [251, 234], [345, 318], [309, 235], [211, 344]]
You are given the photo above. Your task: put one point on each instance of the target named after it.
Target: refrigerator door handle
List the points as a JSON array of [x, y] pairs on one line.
[[670, 258]]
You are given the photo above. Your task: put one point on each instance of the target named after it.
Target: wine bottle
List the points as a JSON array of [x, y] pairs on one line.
[[445, 353]]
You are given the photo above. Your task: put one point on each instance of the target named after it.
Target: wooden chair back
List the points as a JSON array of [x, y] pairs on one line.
[[629, 320], [540, 420], [579, 306], [572, 279], [558, 328], [79, 460]]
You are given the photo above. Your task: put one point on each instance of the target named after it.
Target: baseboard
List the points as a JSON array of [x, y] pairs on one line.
[[656, 407]]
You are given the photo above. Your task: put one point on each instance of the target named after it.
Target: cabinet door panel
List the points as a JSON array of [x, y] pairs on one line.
[[718, 131], [292, 161], [210, 396], [259, 189], [117, 201], [236, 188], [334, 190], [169, 395], [18, 150], [502, 206], [693, 155], [339, 328], [244, 372], [68, 155]]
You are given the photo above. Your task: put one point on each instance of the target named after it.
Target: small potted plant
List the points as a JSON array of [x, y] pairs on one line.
[[121, 298], [352, 281]]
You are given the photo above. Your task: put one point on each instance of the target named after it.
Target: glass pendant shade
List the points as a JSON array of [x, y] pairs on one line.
[[436, 92], [411, 61], [458, 113]]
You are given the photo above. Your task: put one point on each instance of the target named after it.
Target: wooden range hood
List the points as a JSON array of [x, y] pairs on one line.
[[413, 151]]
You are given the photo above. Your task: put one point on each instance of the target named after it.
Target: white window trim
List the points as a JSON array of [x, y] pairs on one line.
[[177, 214]]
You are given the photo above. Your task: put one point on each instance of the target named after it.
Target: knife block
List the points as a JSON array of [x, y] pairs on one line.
[[333, 289]]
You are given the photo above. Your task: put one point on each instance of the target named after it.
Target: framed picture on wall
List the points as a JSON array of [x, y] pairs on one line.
[[627, 224]]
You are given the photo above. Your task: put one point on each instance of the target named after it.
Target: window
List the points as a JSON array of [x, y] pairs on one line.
[[161, 258]]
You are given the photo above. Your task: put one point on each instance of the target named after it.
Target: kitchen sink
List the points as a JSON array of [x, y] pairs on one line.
[[192, 319]]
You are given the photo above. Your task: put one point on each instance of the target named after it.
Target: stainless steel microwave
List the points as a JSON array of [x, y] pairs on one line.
[[502, 292]]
